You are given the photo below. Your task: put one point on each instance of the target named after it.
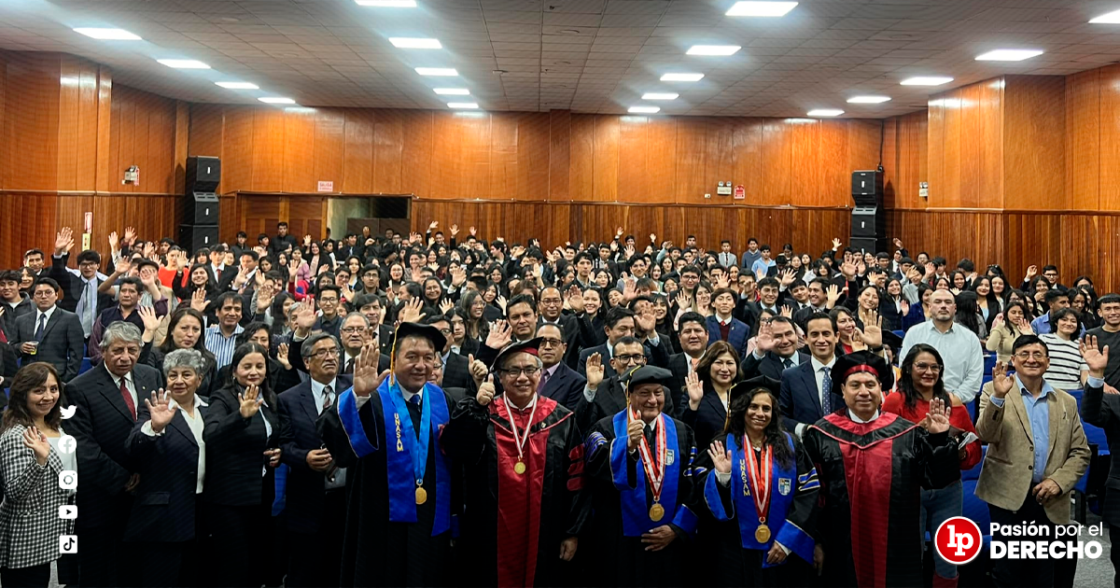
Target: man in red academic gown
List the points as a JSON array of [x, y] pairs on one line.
[[524, 506], [871, 467]]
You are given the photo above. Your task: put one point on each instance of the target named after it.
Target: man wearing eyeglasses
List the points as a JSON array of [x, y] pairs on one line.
[[315, 512], [79, 288], [49, 334], [558, 381], [1036, 453], [605, 397]]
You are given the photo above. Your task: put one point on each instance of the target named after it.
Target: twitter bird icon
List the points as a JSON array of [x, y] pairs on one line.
[[68, 411]]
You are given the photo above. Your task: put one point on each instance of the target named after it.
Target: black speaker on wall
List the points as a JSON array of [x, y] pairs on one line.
[[203, 174], [200, 208], [868, 245], [195, 237], [869, 218]]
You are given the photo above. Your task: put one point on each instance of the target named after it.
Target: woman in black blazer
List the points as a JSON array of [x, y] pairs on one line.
[[185, 330], [242, 449], [718, 370], [166, 445]]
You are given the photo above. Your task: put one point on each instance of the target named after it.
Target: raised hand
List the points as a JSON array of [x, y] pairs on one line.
[[149, 318], [721, 458], [695, 390], [872, 328], [149, 250], [653, 237], [849, 270], [618, 232], [764, 341], [1032, 271], [904, 305], [454, 230], [1096, 359], [160, 410], [477, 368], [629, 251], [836, 243], [575, 299], [596, 371], [629, 289], [282, 356], [114, 241], [500, 334], [1001, 382], [122, 266], [129, 235], [433, 226], [37, 443], [938, 416], [786, 311], [445, 305], [788, 276], [682, 300], [250, 400], [198, 300], [634, 434], [473, 231], [366, 378], [410, 312], [998, 321], [722, 282], [501, 301], [307, 240], [64, 241], [486, 391], [458, 276]]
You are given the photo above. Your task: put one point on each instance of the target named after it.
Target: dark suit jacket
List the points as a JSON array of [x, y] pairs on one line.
[[799, 400], [655, 355], [737, 336], [565, 386], [1103, 410], [678, 365], [72, 286], [569, 326], [63, 343], [305, 487], [770, 365], [235, 449], [708, 420], [164, 508], [101, 426], [457, 373], [610, 398]]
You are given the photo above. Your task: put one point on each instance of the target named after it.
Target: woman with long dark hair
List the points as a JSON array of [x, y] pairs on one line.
[[921, 382], [986, 300], [184, 331], [968, 314], [709, 389], [242, 449], [750, 540], [1009, 326], [200, 278]]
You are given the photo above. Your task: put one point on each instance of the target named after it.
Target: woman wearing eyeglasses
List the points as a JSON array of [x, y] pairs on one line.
[[921, 382]]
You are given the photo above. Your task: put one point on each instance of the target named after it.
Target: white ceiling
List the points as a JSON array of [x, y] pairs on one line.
[[583, 55]]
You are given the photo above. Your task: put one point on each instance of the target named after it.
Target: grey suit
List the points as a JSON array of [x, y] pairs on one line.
[[62, 344]]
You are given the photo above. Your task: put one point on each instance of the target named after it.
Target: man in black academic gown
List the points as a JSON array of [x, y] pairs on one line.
[[640, 471], [871, 466], [524, 507], [398, 531]]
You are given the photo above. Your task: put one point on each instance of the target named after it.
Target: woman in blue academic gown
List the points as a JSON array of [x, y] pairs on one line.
[[765, 537]]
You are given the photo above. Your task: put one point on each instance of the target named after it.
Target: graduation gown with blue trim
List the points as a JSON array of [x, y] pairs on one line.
[[791, 519], [513, 524], [622, 498], [871, 476], [375, 550]]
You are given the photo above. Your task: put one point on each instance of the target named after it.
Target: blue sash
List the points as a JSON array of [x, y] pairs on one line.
[[635, 509], [406, 456], [784, 483]]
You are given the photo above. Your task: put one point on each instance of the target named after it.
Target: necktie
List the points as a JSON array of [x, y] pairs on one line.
[[128, 398], [415, 400], [349, 366], [327, 391], [544, 379], [89, 302], [787, 363], [648, 432], [42, 325], [826, 392]]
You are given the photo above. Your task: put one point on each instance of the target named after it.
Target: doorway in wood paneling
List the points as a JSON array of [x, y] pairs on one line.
[[351, 215]]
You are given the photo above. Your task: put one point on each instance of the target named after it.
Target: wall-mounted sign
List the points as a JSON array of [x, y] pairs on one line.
[[326, 186], [740, 192], [723, 189]]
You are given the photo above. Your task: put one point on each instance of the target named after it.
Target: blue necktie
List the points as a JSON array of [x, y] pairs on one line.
[[415, 400], [42, 326], [826, 392]]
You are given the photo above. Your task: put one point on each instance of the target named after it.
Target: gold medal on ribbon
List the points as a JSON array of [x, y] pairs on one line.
[[421, 495], [762, 534], [653, 464], [519, 468], [518, 440], [656, 512]]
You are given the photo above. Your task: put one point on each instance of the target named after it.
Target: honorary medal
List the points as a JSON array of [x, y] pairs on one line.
[[656, 512], [653, 463], [421, 495], [519, 468], [760, 472], [762, 534], [518, 440]]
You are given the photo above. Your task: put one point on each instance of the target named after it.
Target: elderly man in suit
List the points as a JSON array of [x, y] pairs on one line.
[[107, 398], [1103, 410], [776, 350], [49, 334], [1036, 453], [558, 381], [807, 393], [315, 513]]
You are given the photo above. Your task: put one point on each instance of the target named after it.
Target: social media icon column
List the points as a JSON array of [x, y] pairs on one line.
[[68, 512], [68, 544], [68, 480]]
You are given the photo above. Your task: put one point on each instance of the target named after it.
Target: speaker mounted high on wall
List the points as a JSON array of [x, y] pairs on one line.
[[195, 237], [203, 174], [869, 218], [199, 208]]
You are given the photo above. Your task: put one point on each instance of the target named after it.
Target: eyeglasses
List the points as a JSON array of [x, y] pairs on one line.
[[550, 342], [324, 353], [44, 293], [1030, 355], [529, 371], [928, 367], [635, 358], [348, 330]]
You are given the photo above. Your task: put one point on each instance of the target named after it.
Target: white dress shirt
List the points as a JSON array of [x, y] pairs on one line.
[[129, 383], [317, 390]]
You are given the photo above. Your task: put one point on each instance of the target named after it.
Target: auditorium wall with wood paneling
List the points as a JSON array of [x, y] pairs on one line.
[[68, 134]]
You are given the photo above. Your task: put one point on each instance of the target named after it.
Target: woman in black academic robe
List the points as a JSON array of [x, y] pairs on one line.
[[747, 555], [242, 450]]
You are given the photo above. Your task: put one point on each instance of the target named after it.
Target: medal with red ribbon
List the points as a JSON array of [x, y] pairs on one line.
[[760, 480], [519, 441], [654, 465]]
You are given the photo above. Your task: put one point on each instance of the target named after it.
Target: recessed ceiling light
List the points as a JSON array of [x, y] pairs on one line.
[[770, 9], [926, 81], [415, 43], [437, 71], [713, 49], [453, 91], [237, 85], [468, 105], [276, 100], [825, 112], [1110, 18], [1009, 55], [869, 99], [659, 96], [644, 109], [108, 34], [682, 77], [388, 3], [184, 63]]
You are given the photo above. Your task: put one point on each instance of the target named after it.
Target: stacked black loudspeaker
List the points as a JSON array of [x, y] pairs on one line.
[[869, 219], [200, 205]]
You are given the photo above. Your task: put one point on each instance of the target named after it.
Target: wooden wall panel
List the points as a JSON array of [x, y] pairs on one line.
[[559, 155], [835, 153], [361, 160], [1034, 142], [990, 144], [31, 122], [969, 146], [582, 157], [606, 158], [268, 150], [1109, 124], [1083, 140], [416, 153], [237, 149], [298, 164]]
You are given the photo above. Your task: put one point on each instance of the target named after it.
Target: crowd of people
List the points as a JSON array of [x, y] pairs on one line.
[[436, 409]]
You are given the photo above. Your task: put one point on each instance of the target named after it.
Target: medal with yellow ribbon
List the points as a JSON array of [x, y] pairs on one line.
[[760, 480], [654, 465]]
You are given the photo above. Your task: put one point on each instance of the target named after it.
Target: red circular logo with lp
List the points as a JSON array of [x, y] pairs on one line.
[[958, 540]]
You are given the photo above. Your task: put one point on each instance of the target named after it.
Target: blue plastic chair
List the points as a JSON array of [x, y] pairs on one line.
[[989, 363], [86, 366]]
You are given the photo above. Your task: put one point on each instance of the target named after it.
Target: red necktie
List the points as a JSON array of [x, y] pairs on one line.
[[128, 399]]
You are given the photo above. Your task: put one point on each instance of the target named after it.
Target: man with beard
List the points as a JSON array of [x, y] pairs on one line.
[[524, 505]]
